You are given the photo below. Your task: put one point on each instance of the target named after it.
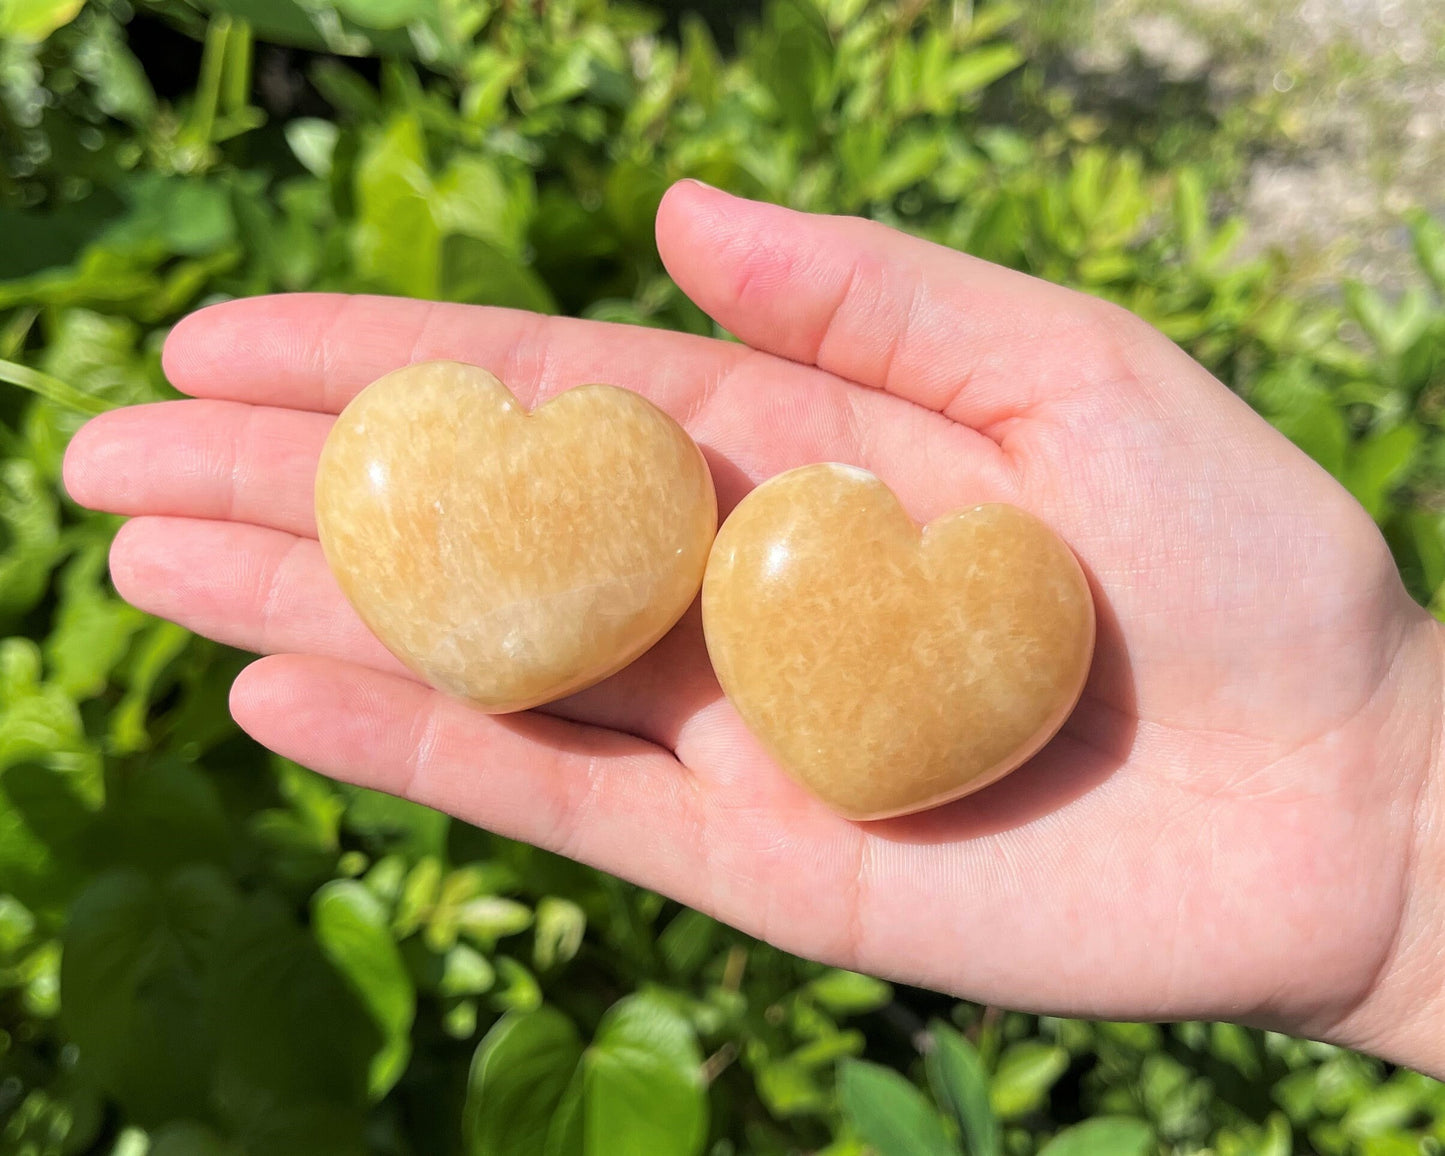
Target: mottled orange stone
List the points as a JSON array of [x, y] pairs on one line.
[[510, 557], [890, 669]]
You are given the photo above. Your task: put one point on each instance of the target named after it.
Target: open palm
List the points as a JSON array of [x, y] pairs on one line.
[[1225, 826]]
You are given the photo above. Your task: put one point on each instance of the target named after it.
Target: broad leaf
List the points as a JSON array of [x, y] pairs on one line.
[[561, 924], [889, 1113], [93, 628], [1103, 1136], [643, 1092], [1024, 1076], [289, 1027], [1429, 237], [187, 1138], [976, 70], [847, 993], [959, 1082], [136, 957], [353, 930], [519, 1073], [396, 242], [30, 529], [34, 20], [1381, 463]]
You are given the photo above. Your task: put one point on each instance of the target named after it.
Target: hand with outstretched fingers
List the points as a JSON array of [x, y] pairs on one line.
[[1240, 821]]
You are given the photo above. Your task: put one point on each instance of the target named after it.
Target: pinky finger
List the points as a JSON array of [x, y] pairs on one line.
[[603, 797]]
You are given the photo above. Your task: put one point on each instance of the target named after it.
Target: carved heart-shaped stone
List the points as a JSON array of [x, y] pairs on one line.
[[890, 669], [510, 557]]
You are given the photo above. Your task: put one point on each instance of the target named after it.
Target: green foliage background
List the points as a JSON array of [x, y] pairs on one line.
[[205, 950]]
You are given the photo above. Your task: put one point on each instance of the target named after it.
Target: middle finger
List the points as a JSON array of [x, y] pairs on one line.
[[271, 592]]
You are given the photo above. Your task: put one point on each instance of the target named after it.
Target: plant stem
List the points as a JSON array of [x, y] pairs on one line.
[[208, 84], [235, 92]]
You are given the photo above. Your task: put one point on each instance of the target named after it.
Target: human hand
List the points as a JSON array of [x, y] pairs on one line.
[[1236, 823]]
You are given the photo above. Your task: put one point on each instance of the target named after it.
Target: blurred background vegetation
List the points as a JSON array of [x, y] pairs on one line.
[[208, 951]]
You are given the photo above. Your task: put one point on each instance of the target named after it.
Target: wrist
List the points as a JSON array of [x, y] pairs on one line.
[[1401, 1016]]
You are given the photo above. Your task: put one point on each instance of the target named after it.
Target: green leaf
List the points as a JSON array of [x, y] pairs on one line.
[[889, 1113], [791, 1086], [643, 1090], [976, 70], [17, 925], [45, 830], [1380, 463], [30, 531], [479, 272], [53, 810], [1429, 237], [688, 941], [1426, 531], [168, 815], [793, 57], [1191, 208], [630, 198], [1316, 426], [95, 356], [311, 1128], [34, 20], [186, 1138], [40, 722], [136, 955], [519, 1073], [418, 896], [290, 1028], [391, 823], [1024, 1076], [489, 918], [989, 20], [565, 1136], [476, 197], [160, 645], [959, 1082], [790, 1089], [847, 993], [313, 141], [1392, 326], [1237, 1047], [1399, 1143], [517, 989], [1381, 1110], [906, 162], [180, 216], [352, 928], [122, 89], [1102, 1136], [396, 242], [561, 924], [466, 971], [93, 628], [1276, 1139], [383, 14]]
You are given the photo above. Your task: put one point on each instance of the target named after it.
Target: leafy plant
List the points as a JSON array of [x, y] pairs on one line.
[[208, 950]]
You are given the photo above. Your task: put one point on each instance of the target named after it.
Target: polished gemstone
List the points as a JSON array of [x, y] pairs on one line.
[[511, 557], [890, 668]]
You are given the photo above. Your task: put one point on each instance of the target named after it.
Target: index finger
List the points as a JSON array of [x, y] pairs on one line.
[[316, 351]]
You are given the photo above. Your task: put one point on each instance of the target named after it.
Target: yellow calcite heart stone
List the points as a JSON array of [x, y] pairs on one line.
[[511, 557], [887, 668]]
